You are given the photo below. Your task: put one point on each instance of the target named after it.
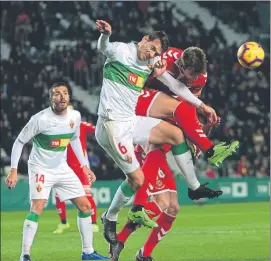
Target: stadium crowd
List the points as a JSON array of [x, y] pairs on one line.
[[240, 97]]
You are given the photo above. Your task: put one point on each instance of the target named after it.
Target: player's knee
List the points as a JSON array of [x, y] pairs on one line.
[[85, 207], [177, 136], [173, 209], [136, 179], [163, 203]]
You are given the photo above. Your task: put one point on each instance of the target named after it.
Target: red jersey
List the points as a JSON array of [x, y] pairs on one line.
[[171, 55], [85, 128]]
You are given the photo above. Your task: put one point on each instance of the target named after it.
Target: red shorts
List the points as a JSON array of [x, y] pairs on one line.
[[145, 101], [165, 180]]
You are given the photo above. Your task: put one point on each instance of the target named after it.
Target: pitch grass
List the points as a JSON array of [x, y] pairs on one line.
[[218, 232]]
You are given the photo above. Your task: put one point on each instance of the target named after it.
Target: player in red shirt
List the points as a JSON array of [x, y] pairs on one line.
[[164, 104], [85, 128]]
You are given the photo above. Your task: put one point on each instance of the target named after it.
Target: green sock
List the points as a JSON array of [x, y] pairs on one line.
[[32, 217], [126, 189], [180, 148], [84, 215]]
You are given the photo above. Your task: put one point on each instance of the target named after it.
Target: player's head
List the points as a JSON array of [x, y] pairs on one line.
[[192, 63], [59, 95], [152, 45]]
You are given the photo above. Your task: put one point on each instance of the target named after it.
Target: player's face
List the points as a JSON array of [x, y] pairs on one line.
[[60, 99], [148, 49], [187, 74]]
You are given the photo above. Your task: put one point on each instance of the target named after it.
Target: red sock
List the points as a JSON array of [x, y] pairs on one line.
[[93, 208], [153, 209], [150, 169], [186, 117], [165, 223], [61, 209], [126, 231]]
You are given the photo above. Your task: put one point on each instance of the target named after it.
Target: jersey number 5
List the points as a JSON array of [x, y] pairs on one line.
[[39, 178]]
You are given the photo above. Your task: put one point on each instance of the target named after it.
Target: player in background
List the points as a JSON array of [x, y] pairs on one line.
[[53, 129], [74, 164], [126, 69]]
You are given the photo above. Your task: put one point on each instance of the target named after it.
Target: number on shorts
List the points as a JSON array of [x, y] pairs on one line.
[[39, 178], [122, 149]]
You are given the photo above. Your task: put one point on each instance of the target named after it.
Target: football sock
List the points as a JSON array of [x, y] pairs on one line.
[[61, 209], [29, 231], [122, 196], [93, 209], [150, 169], [190, 126], [84, 223], [183, 158], [164, 222], [152, 209]]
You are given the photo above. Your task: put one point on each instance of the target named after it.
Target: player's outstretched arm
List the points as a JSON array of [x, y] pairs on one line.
[[104, 46]]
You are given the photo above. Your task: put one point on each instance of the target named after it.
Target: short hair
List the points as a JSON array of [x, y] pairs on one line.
[[193, 58], [162, 36], [57, 84]]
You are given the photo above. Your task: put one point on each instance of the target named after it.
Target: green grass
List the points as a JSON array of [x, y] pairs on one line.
[[218, 232]]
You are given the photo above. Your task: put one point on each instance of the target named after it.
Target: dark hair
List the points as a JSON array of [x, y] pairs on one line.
[[162, 36], [57, 84], [194, 58]]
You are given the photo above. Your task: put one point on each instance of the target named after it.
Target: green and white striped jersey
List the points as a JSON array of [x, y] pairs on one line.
[[124, 78], [52, 134]]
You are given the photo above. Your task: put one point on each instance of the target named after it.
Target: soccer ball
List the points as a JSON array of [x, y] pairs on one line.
[[250, 55]]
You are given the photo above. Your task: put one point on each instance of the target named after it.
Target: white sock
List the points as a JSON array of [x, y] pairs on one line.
[[186, 166], [29, 232], [116, 205], [85, 229]]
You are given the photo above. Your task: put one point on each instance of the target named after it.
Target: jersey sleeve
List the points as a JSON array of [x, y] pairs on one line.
[[77, 130], [110, 50], [30, 130]]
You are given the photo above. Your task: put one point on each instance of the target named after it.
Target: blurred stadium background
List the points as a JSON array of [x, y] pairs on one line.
[[44, 41]]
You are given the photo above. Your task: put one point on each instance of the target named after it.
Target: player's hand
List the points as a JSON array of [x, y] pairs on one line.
[[159, 68], [196, 150], [103, 27], [90, 175], [11, 179], [210, 113]]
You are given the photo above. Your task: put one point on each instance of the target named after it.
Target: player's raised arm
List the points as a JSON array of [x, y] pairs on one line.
[[27, 133], [104, 46], [181, 90]]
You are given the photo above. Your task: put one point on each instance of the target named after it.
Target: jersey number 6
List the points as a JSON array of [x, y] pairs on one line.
[[122, 149]]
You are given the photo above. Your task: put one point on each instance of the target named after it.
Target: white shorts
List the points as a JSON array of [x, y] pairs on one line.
[[66, 184], [117, 139]]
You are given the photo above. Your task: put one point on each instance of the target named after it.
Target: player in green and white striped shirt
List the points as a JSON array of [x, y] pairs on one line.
[[52, 130]]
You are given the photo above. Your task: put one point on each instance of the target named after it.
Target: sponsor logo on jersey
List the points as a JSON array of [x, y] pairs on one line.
[[135, 80], [71, 123], [59, 143]]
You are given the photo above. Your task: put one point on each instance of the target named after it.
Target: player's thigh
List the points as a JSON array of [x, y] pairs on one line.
[[145, 101], [163, 106], [41, 181], [165, 132], [116, 138], [68, 185], [174, 206], [143, 129]]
